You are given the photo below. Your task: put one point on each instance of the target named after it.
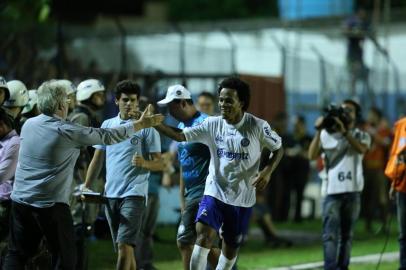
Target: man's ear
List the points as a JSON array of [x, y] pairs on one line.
[[116, 101]]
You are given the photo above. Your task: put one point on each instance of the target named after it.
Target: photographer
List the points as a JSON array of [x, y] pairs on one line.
[[342, 146]]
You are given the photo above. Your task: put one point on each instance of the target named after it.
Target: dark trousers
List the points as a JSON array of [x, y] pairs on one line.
[[29, 225]]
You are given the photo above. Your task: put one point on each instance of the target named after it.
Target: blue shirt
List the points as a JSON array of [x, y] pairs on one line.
[[124, 179], [49, 148], [194, 158]]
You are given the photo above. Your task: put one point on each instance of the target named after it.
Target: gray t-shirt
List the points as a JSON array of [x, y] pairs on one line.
[[48, 152]]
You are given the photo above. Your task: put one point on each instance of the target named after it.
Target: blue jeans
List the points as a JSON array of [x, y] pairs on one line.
[[340, 211], [401, 202]]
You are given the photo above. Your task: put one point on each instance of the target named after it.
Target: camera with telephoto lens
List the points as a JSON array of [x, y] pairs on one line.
[[330, 113]]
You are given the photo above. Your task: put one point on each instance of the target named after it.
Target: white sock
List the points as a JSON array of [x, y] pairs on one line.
[[198, 260], [224, 263]]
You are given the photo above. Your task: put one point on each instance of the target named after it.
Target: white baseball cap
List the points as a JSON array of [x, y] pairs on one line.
[[176, 91]]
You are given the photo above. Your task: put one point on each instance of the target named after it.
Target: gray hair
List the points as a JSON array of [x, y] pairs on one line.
[[50, 95]]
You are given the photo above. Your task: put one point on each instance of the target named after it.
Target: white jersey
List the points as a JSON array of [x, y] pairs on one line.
[[343, 163], [235, 155]]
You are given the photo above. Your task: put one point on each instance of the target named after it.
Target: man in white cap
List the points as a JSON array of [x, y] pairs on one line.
[[235, 140], [4, 92], [194, 160]]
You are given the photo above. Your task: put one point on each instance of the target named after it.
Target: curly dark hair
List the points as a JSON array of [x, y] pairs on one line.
[[241, 87], [127, 87]]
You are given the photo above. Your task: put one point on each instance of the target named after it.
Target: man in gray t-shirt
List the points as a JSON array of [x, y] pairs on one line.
[[40, 199]]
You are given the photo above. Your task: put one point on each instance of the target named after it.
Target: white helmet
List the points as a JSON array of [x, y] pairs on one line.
[[87, 88], [18, 94], [3, 85], [68, 85], [32, 101]]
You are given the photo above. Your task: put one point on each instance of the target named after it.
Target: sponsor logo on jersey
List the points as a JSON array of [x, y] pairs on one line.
[[267, 132], [245, 142], [218, 139], [222, 153]]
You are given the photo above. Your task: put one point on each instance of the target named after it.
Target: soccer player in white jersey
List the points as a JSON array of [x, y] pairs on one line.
[[343, 147], [235, 140]]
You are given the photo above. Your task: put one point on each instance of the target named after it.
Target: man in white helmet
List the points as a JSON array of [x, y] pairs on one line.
[[90, 95], [4, 92], [71, 92], [31, 109], [16, 102]]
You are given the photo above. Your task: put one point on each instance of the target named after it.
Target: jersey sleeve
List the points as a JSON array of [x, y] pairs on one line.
[[152, 141], [269, 138], [199, 133]]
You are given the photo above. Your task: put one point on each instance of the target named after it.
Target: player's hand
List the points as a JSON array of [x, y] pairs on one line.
[[138, 161], [135, 114], [261, 180], [84, 188], [148, 119], [318, 123]]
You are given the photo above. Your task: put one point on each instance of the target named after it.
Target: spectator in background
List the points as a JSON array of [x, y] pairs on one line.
[[91, 96], [375, 194], [356, 29], [279, 190], [300, 163], [9, 146], [31, 109], [71, 92], [16, 102], [126, 185], [4, 92], [206, 103]]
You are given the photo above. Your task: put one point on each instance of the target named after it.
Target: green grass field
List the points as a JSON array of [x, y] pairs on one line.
[[255, 254]]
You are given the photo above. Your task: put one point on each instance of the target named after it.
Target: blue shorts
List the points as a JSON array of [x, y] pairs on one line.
[[231, 222]]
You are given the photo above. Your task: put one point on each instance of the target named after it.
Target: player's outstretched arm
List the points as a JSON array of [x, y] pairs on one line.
[[171, 132]]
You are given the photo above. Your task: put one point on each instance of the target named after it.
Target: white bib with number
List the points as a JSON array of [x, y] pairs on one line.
[[344, 173]]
